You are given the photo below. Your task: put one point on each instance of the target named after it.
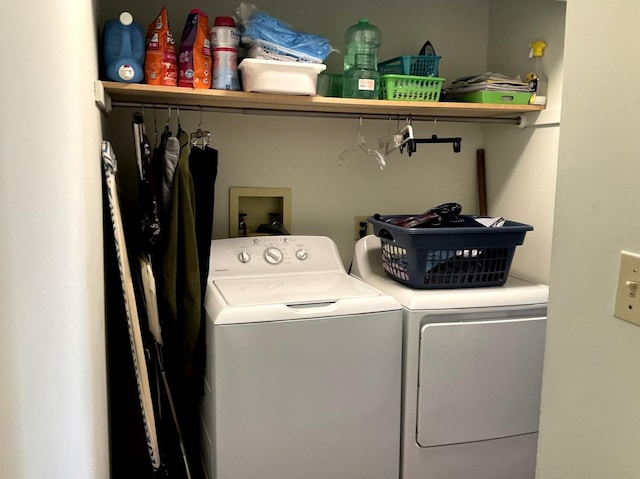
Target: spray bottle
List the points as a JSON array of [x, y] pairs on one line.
[[538, 80]]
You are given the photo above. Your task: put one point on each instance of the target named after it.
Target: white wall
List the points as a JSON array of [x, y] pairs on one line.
[[53, 407], [522, 163], [302, 153], [590, 418]]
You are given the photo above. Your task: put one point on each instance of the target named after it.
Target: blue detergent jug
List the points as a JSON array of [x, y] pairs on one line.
[[124, 49]]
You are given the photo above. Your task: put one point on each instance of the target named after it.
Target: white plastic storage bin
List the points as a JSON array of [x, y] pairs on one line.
[[272, 76]]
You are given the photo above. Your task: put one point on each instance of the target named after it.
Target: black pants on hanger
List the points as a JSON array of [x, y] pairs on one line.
[[203, 164]]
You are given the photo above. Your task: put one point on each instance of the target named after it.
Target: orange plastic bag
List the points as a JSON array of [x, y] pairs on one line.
[[160, 62], [194, 62]]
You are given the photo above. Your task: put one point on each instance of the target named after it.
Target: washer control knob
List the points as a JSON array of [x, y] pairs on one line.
[[273, 256], [244, 257], [302, 254]]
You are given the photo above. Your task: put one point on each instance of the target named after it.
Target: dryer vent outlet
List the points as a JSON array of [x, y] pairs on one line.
[[361, 227]]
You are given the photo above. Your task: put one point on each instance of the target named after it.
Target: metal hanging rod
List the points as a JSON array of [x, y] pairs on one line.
[[317, 114]]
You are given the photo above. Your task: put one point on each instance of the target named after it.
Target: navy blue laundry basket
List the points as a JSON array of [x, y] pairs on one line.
[[448, 257]]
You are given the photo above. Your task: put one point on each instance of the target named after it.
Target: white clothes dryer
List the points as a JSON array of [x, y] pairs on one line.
[[472, 373], [303, 369]]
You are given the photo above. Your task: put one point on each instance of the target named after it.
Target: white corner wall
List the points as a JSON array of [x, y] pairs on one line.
[[522, 163], [53, 407], [590, 418]]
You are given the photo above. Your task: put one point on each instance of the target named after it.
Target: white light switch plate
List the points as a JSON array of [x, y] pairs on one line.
[[627, 305]]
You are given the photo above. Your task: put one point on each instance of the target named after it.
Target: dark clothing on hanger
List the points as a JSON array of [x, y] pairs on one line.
[[203, 164], [185, 266], [180, 268], [148, 181]]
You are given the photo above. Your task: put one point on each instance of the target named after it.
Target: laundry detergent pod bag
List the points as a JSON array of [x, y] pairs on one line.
[[161, 62], [194, 62]]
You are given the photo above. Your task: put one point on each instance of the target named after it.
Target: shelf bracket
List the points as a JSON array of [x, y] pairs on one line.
[[102, 98], [549, 117]]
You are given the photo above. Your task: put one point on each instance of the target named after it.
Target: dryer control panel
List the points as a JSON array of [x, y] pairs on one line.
[[273, 255]]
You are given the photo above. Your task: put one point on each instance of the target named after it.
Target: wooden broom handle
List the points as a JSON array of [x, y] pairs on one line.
[[482, 183]]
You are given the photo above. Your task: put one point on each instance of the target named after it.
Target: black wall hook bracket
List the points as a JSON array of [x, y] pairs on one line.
[[456, 141]]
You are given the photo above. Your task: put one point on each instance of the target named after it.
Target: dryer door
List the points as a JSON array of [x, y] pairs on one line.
[[479, 380]]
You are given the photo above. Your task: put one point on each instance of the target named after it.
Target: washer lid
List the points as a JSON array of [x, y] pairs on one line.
[[295, 289]]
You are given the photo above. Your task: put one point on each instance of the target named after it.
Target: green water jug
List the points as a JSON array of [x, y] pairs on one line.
[[361, 77]]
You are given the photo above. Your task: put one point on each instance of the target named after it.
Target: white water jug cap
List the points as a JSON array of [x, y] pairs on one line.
[[126, 18]]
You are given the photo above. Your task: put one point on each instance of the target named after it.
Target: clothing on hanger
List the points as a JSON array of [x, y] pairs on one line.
[[203, 164], [171, 154], [148, 186], [180, 268]]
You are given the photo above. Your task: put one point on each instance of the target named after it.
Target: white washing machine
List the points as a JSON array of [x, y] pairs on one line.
[[303, 369], [472, 373]]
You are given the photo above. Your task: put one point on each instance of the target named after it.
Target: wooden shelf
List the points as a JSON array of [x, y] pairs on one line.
[[120, 94]]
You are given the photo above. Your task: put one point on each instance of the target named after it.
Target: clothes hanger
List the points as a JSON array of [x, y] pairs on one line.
[[455, 141], [200, 138], [361, 147], [398, 139], [167, 130], [180, 130], [155, 128], [138, 136]]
